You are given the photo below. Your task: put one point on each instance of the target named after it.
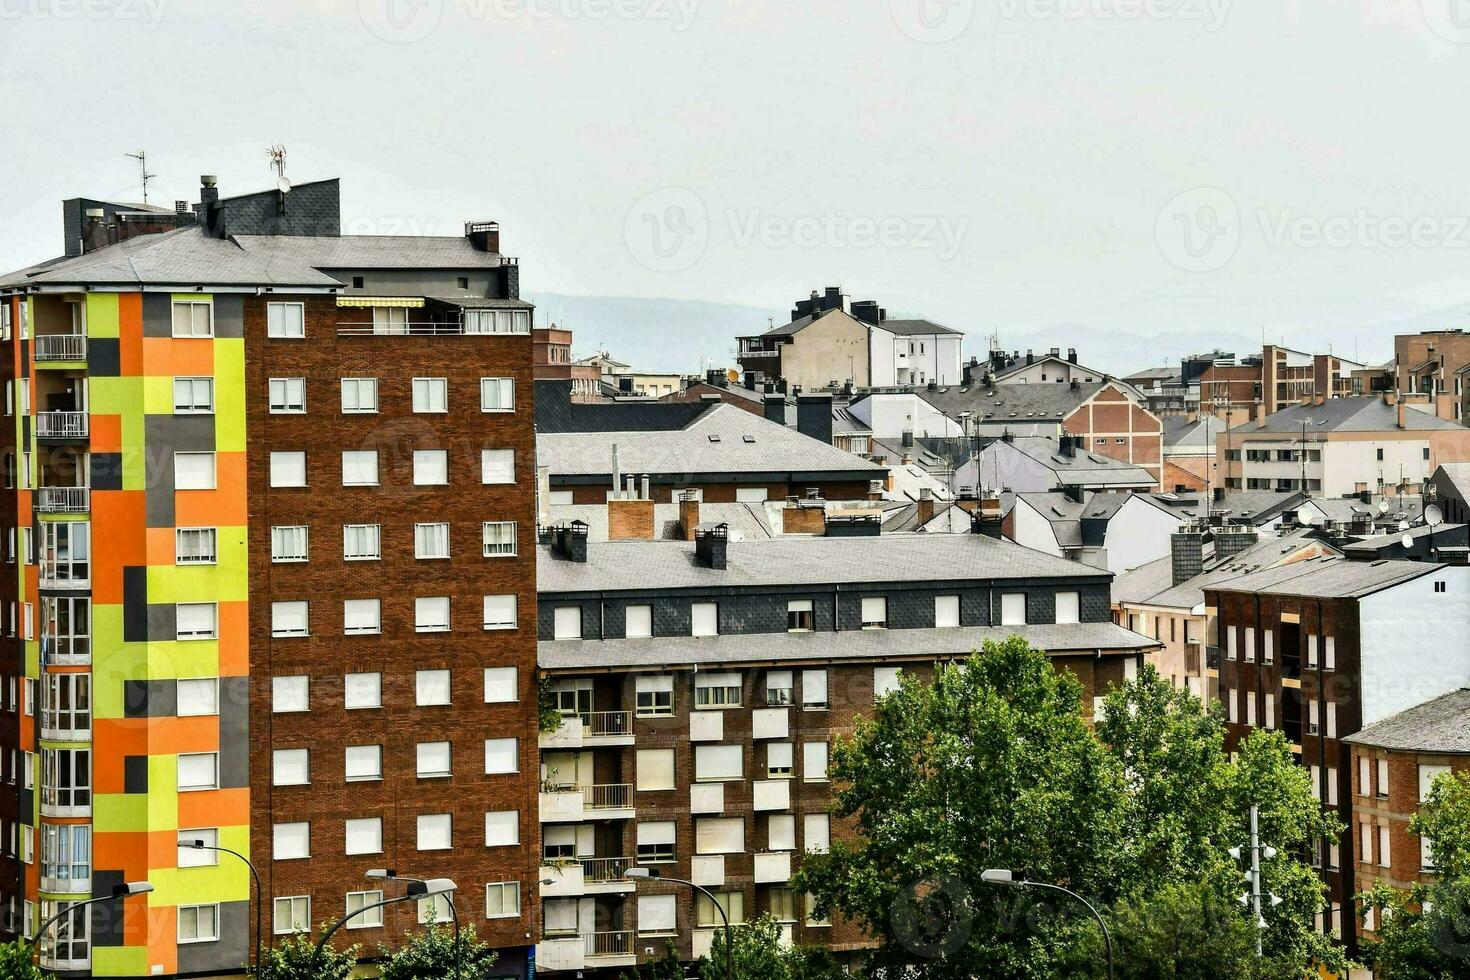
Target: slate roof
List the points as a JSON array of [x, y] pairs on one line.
[[888, 646], [1344, 415], [1440, 726], [1011, 402], [1153, 584], [1446, 535], [555, 412], [721, 439], [1344, 509], [620, 565], [468, 302], [1066, 515], [1458, 474], [1154, 374], [1180, 433], [1094, 467], [1329, 578], [746, 521], [915, 328]]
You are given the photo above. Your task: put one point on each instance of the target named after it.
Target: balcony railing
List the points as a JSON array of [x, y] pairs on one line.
[[609, 943], [1212, 658], [61, 425], [612, 796], [64, 574], [61, 347], [420, 328], [607, 724], [602, 870], [75, 652], [63, 500]]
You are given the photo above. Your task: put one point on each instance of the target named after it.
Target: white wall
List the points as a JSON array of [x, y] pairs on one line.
[[880, 346], [1413, 642], [1049, 371], [1138, 534], [1034, 531], [890, 415], [1001, 465]]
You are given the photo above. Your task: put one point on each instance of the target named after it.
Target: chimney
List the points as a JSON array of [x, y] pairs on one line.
[[95, 233], [1074, 493], [751, 379], [986, 523], [1068, 445], [775, 409], [570, 541], [1219, 494], [711, 546], [1390, 398], [688, 514], [630, 514], [804, 516], [1403, 408], [814, 417], [483, 235], [1076, 385], [208, 190], [908, 438], [1056, 352], [1260, 413], [1232, 540], [926, 506], [875, 490], [1187, 551], [1030, 357], [1072, 355]]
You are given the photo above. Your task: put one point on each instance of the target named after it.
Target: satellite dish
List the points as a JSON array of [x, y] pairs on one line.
[[283, 184], [1383, 506], [1403, 525], [1433, 516], [1407, 541]]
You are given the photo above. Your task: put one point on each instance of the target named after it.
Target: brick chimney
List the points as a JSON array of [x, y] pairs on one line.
[[926, 506], [630, 513], [804, 516], [1403, 408], [689, 514], [875, 490]]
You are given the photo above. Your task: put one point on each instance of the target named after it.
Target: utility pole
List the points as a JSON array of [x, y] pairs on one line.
[[142, 157], [1256, 898]]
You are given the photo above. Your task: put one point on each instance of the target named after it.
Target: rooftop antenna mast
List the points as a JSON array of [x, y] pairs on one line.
[[142, 157], [278, 160]]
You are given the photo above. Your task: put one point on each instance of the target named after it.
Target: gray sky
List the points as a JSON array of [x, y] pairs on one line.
[[1173, 170]]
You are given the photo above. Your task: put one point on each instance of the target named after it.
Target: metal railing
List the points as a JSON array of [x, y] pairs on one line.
[[421, 328], [61, 425], [602, 870], [608, 943], [607, 724], [63, 500], [61, 347], [1212, 658], [612, 796]]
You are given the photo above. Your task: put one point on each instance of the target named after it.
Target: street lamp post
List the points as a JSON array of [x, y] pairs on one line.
[[388, 874], [199, 845], [1007, 879], [651, 874], [431, 888], [119, 892]]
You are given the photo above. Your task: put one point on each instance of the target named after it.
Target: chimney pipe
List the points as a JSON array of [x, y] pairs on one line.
[[711, 546]]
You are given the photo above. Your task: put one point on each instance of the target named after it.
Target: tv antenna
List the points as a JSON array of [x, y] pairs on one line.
[[278, 164], [142, 157]]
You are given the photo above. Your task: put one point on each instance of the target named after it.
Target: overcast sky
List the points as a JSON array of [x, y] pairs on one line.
[[1183, 168]]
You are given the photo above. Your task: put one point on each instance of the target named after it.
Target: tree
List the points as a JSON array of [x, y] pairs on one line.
[[758, 951], [1183, 932], [667, 967], [292, 959], [17, 962], [430, 955]]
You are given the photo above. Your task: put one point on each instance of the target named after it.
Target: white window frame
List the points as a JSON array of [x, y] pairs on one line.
[[504, 395], [430, 396], [497, 549], [286, 396], [290, 543], [431, 541], [278, 329], [194, 552], [190, 403], [356, 551], [358, 386], [192, 305]]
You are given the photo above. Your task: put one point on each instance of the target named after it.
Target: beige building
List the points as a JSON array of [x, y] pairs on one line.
[[1432, 364]]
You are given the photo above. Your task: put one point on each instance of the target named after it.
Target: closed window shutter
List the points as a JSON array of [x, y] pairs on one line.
[[718, 762], [655, 769], [719, 835], [365, 836]]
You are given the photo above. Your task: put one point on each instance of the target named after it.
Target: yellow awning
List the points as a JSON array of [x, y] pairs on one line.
[[398, 302]]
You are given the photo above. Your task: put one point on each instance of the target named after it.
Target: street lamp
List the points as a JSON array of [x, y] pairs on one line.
[[431, 888], [636, 874], [119, 892], [1007, 879], [388, 874], [199, 845]]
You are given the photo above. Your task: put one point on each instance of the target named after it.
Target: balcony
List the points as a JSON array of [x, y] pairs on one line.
[[61, 882], [609, 949], [772, 867], [1212, 658], [707, 870], [66, 574], [57, 727], [772, 794], [74, 651], [574, 804], [63, 500], [61, 347], [61, 425], [590, 730]]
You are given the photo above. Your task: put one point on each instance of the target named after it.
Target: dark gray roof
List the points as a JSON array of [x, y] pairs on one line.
[[886, 646], [1153, 584], [1091, 467], [1458, 475], [1329, 578], [915, 328], [747, 521], [468, 302], [1447, 535], [1067, 515], [1011, 402], [556, 412], [1344, 415], [1440, 726], [1154, 374], [1181, 433], [641, 565], [795, 326], [1344, 509]]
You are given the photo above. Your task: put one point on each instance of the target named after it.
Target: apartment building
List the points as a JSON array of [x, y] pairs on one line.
[[1036, 464], [1049, 367], [1294, 377], [271, 487], [701, 684], [1322, 649], [551, 350], [1395, 763], [1434, 364], [1190, 444]]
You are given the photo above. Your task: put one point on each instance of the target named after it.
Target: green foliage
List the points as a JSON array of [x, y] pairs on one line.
[[1444, 820], [17, 962], [1183, 932], [667, 967], [757, 951], [548, 714], [430, 955], [291, 959]]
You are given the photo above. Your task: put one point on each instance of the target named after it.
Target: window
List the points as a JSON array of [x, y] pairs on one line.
[[363, 763], [655, 769], [1231, 645], [193, 318], [433, 910], [431, 614], [198, 771], [814, 762], [719, 835], [288, 469], [435, 832], [430, 467], [1427, 776], [362, 691], [289, 619], [500, 539], [1013, 609], [1268, 646], [193, 396], [704, 619], [500, 612], [503, 900], [431, 687], [290, 767], [716, 689], [288, 543], [196, 697], [291, 914], [497, 395], [751, 495], [359, 468], [718, 763], [1329, 653], [875, 612], [356, 902], [946, 611], [359, 396], [361, 616], [497, 321], [193, 471], [1365, 842], [782, 904], [502, 756], [778, 687], [706, 916], [285, 321], [360, 542], [196, 621], [813, 690], [637, 621], [799, 616], [781, 832], [655, 841], [430, 395], [390, 320], [287, 396], [816, 832], [1250, 644], [658, 915], [655, 695], [1382, 779], [568, 623], [1069, 607], [66, 853], [502, 828], [198, 924], [194, 546], [431, 541], [813, 917], [497, 466], [433, 760], [778, 760], [1384, 859], [67, 703], [885, 681], [502, 685]]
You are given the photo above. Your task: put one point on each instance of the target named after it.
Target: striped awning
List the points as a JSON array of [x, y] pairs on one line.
[[397, 302]]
